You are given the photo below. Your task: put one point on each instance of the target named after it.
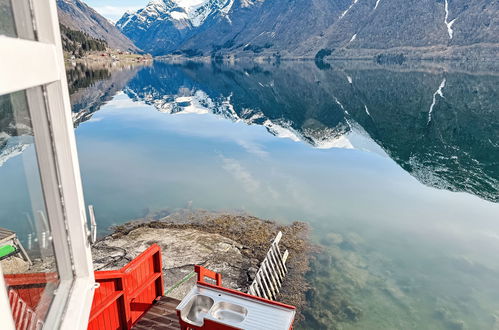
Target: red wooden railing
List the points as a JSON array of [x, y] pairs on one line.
[[205, 272], [109, 304], [24, 316], [121, 298], [30, 287], [125, 295], [25, 297]]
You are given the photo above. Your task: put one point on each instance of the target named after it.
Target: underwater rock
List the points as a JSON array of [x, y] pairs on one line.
[[332, 239], [495, 321]]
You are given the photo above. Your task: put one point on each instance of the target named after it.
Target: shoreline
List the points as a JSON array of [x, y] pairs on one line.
[[478, 56], [231, 244], [475, 68], [108, 56]]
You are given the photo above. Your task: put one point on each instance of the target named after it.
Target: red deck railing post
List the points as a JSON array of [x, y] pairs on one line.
[[204, 272]]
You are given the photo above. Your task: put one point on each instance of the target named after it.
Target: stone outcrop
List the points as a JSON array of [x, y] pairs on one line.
[[231, 244], [181, 250]]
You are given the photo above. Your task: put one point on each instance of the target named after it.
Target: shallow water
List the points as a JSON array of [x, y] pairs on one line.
[[397, 175]]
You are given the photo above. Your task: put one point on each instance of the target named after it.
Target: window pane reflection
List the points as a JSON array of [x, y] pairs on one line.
[[26, 249], [7, 26], [16, 19]]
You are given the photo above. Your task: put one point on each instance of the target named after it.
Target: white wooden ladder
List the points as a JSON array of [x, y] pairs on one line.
[[270, 276]]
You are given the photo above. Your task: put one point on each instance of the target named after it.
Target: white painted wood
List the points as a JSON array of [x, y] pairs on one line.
[[25, 64], [79, 304], [59, 111], [23, 19], [270, 276], [6, 321]]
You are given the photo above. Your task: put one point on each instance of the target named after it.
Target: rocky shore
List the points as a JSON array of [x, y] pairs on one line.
[[321, 280], [231, 244]]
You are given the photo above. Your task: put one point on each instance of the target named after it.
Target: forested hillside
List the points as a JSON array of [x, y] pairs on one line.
[[77, 43], [77, 15]]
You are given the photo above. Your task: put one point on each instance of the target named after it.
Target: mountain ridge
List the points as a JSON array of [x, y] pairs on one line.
[[301, 28], [77, 15]]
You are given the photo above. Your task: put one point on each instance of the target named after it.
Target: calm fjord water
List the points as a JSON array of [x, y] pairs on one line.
[[396, 170]]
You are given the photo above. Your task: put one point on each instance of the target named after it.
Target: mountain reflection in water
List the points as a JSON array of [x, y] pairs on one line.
[[397, 254], [445, 135]]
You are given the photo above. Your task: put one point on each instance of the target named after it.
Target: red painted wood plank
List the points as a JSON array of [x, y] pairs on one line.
[[147, 283], [105, 304], [108, 274], [34, 278], [139, 260], [139, 283]]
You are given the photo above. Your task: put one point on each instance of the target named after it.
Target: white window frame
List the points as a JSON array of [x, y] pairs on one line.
[[25, 64]]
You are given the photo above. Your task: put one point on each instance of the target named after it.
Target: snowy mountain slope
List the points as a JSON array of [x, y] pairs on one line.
[[164, 24], [196, 101], [77, 15], [303, 27]]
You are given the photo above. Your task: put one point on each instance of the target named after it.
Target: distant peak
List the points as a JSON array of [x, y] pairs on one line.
[[156, 3]]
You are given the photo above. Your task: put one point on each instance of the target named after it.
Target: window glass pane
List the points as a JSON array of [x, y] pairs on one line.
[[16, 19], [26, 250], [7, 25]]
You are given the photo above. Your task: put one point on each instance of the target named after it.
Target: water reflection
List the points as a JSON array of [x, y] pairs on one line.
[[80, 76], [30, 273], [350, 141], [348, 149], [442, 128], [91, 86]]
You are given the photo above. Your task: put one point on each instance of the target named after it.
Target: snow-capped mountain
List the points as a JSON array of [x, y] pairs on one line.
[[303, 27], [164, 24]]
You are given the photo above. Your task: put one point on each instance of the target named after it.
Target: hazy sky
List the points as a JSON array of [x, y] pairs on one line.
[[114, 9]]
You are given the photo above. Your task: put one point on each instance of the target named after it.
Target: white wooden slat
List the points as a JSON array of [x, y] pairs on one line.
[[275, 273], [5, 309], [25, 64], [273, 255], [270, 276], [267, 280]]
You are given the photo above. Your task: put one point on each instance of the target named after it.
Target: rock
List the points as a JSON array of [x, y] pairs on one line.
[[229, 244], [181, 250], [252, 273], [233, 244], [495, 321], [457, 325], [333, 239], [14, 265]]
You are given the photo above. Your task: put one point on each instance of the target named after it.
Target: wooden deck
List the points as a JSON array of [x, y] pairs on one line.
[[162, 315], [6, 235]]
